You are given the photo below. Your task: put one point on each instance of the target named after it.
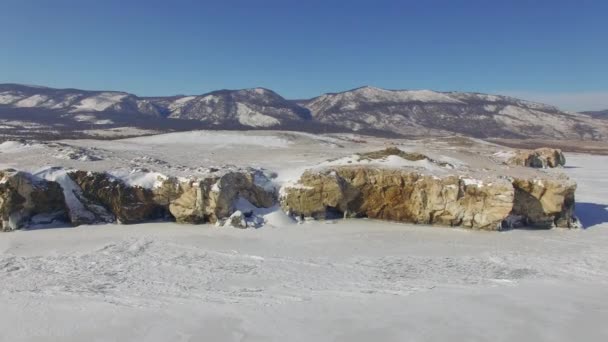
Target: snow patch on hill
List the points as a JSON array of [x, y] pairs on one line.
[[249, 117], [99, 102], [8, 97], [216, 138], [31, 101]]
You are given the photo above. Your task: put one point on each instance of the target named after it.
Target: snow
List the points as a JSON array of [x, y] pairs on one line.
[[70, 189], [99, 102], [504, 155], [264, 182], [9, 97], [92, 119], [31, 101], [490, 108], [22, 124], [142, 178], [65, 102], [391, 161], [380, 95], [118, 131], [216, 138], [473, 182], [16, 147], [355, 280], [180, 103], [249, 117]]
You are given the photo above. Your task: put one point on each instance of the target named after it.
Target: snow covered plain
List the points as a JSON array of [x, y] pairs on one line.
[[347, 280]]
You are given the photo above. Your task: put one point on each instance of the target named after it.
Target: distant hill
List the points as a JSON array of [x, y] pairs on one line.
[[41, 111], [598, 114]]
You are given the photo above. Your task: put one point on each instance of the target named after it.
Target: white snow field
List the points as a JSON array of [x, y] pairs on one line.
[[345, 280]]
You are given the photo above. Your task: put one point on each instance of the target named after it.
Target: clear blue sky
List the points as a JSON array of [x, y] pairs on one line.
[[307, 47]]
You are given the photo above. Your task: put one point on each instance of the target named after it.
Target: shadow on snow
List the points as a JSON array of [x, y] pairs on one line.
[[591, 214]]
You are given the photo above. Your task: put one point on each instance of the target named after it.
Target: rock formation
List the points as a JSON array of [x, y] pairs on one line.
[[95, 197], [487, 201], [400, 195], [539, 158], [24, 199], [544, 203], [388, 185], [128, 204], [212, 198]]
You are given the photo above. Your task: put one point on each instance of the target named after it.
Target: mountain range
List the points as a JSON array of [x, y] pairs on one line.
[[599, 114], [48, 112]]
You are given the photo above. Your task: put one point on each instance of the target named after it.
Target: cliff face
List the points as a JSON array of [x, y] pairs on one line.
[[97, 197], [409, 196], [389, 184]]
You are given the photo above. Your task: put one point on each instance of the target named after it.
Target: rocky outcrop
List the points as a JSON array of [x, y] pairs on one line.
[[213, 197], [393, 151], [539, 158], [128, 204], [198, 200], [25, 200], [399, 195], [544, 203], [410, 196], [97, 197]]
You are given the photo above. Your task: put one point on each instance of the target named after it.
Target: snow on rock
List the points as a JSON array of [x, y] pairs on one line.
[[472, 181], [71, 192], [139, 177], [390, 161]]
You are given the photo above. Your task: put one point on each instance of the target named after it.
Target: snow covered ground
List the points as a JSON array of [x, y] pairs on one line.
[[347, 280]]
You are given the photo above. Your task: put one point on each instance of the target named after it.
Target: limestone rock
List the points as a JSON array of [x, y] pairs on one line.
[[211, 198], [545, 203], [237, 220], [405, 195], [400, 195], [22, 197], [539, 158], [129, 204]]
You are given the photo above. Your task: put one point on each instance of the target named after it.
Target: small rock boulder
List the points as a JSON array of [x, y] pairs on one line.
[[237, 220], [545, 203], [539, 158]]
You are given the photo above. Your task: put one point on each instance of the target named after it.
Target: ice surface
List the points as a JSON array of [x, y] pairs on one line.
[[348, 280]]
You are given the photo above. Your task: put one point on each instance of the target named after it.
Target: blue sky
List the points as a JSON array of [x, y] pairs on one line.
[[554, 51]]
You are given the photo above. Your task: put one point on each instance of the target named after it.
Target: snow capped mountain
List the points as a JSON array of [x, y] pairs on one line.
[[256, 107], [365, 110], [598, 114], [416, 112], [72, 100]]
